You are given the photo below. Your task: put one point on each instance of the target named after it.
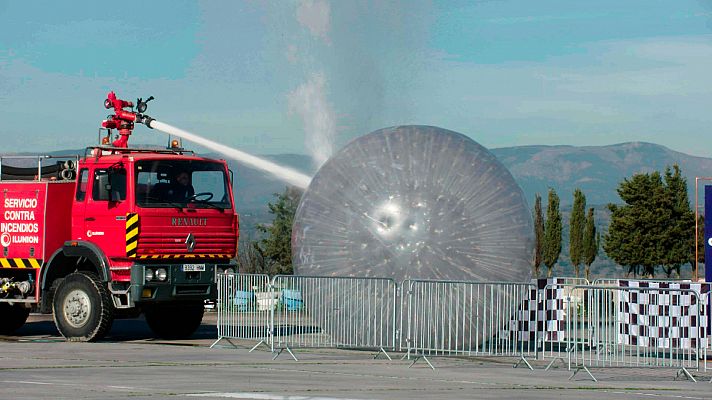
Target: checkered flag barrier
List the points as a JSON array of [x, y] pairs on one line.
[[675, 315], [542, 315]]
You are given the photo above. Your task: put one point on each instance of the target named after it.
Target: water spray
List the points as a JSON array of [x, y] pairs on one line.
[[124, 120], [288, 175]]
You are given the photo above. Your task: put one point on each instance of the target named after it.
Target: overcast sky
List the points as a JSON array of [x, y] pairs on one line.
[[307, 76]]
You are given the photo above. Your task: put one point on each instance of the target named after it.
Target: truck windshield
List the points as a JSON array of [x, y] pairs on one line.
[[177, 183]]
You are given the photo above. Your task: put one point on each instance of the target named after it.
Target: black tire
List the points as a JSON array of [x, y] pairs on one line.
[[12, 317], [175, 321], [82, 308]]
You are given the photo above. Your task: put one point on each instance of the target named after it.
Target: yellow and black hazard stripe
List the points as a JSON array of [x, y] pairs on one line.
[[20, 263], [174, 256], [131, 234]]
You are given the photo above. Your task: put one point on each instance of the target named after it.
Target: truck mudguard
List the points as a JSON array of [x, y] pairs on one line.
[[85, 249]]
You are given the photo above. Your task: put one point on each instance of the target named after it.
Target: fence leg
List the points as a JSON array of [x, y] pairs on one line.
[[406, 355], [583, 367], [684, 372], [258, 345], [569, 350], [225, 339], [288, 351], [522, 359], [551, 364], [418, 357], [382, 350]]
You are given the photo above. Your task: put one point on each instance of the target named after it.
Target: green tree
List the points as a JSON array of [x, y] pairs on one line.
[[276, 247], [576, 225], [552, 233], [591, 240], [679, 236], [636, 237], [250, 259], [538, 235]]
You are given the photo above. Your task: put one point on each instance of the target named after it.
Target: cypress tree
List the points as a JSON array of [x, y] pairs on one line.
[[679, 235], [576, 225], [538, 235], [552, 233], [590, 243]]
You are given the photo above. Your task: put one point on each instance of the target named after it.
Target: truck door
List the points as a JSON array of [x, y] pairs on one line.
[[80, 205], [106, 210]]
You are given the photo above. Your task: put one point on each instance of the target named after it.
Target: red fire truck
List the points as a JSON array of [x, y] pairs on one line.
[[117, 232]]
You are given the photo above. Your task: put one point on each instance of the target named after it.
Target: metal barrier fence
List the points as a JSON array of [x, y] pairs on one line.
[[569, 281], [640, 323], [635, 327], [305, 311], [469, 318], [334, 312], [615, 281], [241, 309], [554, 298]]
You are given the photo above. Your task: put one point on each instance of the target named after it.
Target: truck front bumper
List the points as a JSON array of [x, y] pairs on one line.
[[183, 282]]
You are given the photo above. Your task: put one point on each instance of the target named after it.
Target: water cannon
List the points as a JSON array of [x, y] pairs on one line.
[[123, 120], [142, 105]]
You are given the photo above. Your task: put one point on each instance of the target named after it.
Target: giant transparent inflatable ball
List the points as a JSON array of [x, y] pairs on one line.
[[413, 202]]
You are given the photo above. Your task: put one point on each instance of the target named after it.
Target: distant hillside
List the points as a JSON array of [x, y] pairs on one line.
[[596, 170]]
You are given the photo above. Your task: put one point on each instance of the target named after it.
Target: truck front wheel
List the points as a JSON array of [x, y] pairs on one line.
[[175, 321], [82, 308], [13, 316]]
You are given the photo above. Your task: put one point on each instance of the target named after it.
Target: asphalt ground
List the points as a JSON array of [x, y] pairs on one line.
[[37, 363]]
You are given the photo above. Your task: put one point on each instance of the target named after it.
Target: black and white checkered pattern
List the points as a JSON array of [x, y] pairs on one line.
[[545, 316], [663, 319]]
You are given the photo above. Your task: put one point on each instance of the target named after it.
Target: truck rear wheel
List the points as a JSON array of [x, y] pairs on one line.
[[175, 321], [12, 317], [82, 308]]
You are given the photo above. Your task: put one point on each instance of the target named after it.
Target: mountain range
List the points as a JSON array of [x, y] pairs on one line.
[[596, 170]]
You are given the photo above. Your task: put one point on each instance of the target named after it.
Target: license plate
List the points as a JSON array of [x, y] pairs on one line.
[[193, 267]]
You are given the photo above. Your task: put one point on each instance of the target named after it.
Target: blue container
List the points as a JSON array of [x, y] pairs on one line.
[[243, 300], [292, 300]]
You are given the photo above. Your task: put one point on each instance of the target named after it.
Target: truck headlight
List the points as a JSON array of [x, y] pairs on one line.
[[161, 274], [148, 274]]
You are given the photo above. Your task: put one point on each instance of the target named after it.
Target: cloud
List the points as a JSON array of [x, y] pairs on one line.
[[315, 15], [654, 89], [649, 67], [292, 54]]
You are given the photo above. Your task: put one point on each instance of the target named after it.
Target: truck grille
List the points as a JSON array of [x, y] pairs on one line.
[[169, 243]]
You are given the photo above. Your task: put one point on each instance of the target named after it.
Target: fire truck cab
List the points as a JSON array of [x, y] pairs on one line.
[[119, 232]]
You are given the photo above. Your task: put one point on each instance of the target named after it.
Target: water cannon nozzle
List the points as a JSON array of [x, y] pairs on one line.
[[141, 105], [145, 119]]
